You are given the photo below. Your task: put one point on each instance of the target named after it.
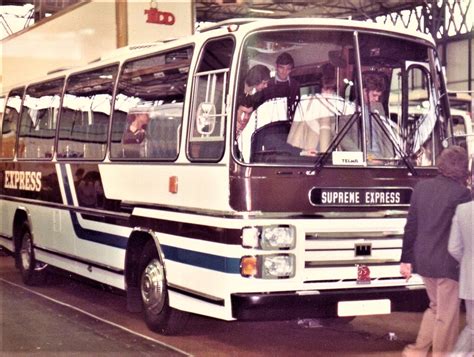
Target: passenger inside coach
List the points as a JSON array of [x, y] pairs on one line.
[[378, 144], [381, 132], [283, 85], [316, 115], [135, 138], [273, 110], [255, 82], [279, 97], [8, 141]]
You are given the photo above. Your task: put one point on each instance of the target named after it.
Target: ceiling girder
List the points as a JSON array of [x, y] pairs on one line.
[[446, 19]]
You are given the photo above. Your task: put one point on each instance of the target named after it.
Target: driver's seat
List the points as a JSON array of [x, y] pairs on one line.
[[272, 138]]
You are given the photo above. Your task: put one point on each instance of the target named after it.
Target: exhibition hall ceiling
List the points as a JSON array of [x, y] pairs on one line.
[[441, 18], [215, 10], [359, 9]]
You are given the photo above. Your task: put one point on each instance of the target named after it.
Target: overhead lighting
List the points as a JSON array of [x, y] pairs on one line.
[[261, 11]]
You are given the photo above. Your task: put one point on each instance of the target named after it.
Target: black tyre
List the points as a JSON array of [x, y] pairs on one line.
[[159, 316], [31, 271]]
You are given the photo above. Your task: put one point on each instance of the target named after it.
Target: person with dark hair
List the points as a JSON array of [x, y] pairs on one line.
[[78, 176], [134, 139], [374, 87], [378, 143], [380, 132], [282, 85], [328, 78], [425, 251], [255, 82], [256, 79]]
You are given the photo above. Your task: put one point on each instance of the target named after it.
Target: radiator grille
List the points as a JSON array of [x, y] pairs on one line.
[[332, 257]]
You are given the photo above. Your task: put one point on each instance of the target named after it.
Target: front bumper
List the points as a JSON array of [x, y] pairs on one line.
[[323, 303]]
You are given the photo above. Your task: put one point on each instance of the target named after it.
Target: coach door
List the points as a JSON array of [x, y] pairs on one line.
[[208, 113]]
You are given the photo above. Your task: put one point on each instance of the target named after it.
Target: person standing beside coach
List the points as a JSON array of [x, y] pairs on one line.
[[425, 251], [461, 247]]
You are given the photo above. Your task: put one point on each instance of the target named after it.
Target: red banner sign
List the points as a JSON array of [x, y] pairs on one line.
[[156, 16]]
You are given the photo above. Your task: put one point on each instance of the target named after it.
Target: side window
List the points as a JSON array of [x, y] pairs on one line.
[[149, 104], [207, 128], [39, 115], [9, 124], [421, 118], [85, 114]]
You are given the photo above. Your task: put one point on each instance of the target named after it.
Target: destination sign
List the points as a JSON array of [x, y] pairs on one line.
[[352, 196]]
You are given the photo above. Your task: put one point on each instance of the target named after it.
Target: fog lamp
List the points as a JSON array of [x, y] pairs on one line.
[[272, 266], [278, 266]]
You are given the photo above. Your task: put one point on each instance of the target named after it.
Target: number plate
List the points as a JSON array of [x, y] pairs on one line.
[[363, 307]]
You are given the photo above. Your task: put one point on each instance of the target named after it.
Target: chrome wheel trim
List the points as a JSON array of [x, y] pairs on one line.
[[153, 287], [26, 252]]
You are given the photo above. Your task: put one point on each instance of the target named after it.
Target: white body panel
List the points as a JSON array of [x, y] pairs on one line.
[[203, 187]]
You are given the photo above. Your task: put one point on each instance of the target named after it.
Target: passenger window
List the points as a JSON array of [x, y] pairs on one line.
[[9, 124], [85, 114], [38, 121], [206, 134], [148, 109]]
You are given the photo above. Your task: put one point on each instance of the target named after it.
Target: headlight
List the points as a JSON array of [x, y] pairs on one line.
[[269, 237], [278, 266], [272, 266]]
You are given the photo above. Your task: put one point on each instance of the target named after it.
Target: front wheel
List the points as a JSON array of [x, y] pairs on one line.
[[159, 316], [31, 271]]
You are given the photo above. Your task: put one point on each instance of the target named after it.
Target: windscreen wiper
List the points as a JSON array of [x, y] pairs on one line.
[[321, 161], [397, 146], [337, 140]]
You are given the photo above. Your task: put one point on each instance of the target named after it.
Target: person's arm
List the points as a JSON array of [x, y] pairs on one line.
[[409, 237], [466, 197], [455, 244], [350, 141], [294, 98]]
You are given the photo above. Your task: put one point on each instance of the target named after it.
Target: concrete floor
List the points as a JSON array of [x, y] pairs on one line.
[[50, 320], [31, 324]]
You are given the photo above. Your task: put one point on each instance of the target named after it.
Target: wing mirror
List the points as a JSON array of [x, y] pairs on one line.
[[446, 141], [206, 118]]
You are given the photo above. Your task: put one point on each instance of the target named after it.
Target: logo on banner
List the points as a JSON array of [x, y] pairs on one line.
[[155, 16]]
